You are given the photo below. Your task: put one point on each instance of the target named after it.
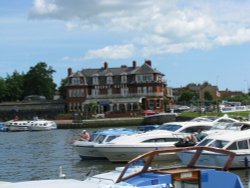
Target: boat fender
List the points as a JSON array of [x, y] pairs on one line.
[[246, 161]]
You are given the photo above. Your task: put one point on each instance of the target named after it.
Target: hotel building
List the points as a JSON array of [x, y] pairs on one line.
[[124, 89]]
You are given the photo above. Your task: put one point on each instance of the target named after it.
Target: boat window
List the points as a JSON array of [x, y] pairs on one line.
[[204, 142], [169, 127], [100, 139], [234, 126], [233, 146], [111, 138], [218, 143], [226, 120], [243, 144], [161, 140], [195, 129]]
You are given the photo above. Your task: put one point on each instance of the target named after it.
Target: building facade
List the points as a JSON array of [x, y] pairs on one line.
[[116, 89]]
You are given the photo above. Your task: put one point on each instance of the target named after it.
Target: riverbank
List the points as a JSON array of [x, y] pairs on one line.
[[117, 122], [95, 123]]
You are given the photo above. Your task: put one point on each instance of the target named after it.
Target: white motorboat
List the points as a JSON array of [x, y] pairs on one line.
[[236, 141], [125, 148], [41, 125], [86, 149], [144, 172], [20, 125], [214, 119]]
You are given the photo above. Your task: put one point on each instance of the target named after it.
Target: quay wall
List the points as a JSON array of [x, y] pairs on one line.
[[95, 123], [116, 122]]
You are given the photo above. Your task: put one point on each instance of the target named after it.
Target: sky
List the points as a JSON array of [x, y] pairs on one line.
[[188, 41]]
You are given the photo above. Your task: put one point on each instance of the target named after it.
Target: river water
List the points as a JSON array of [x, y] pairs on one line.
[[38, 155]]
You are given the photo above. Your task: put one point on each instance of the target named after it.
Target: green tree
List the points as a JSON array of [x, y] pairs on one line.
[[243, 98], [2, 89], [14, 86], [208, 98], [39, 81], [186, 97], [62, 88]]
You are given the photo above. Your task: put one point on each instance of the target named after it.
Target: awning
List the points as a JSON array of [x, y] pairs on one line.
[[104, 102]]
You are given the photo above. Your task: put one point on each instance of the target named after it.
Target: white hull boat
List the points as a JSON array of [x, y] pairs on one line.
[[125, 148], [17, 125], [86, 149], [126, 153], [236, 141], [42, 125]]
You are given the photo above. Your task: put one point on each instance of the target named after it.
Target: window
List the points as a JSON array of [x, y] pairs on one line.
[[218, 143], [109, 78], [124, 79], [124, 91], [145, 90], [95, 80], [195, 129], [233, 146], [150, 90], [95, 92], [110, 138], [139, 90], [161, 140], [144, 78], [75, 81], [151, 104], [158, 103], [169, 127], [204, 142], [110, 91], [243, 144]]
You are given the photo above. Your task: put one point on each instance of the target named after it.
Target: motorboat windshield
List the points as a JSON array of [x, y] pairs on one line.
[[169, 127], [213, 143]]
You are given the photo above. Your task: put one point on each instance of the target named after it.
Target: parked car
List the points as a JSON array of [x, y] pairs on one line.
[[148, 112]]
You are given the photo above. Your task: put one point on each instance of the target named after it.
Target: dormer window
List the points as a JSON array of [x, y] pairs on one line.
[[144, 78], [75, 81], [124, 78], [95, 79], [109, 79]]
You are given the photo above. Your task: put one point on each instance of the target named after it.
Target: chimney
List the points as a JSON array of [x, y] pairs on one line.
[[105, 65], [69, 71], [134, 64], [148, 62], [123, 66]]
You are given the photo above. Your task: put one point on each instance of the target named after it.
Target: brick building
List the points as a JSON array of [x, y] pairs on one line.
[[116, 89]]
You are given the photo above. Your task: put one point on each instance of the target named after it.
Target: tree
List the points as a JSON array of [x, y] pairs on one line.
[[62, 88], [14, 86], [39, 81], [186, 96], [208, 98], [2, 89]]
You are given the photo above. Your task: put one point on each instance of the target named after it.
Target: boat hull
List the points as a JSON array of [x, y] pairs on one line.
[[87, 150], [124, 154]]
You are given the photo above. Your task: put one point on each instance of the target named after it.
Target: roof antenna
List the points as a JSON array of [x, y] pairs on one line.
[[61, 175]]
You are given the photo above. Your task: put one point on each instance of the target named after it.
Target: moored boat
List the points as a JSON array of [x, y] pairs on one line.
[[19, 125], [236, 141], [42, 125], [125, 148], [86, 149]]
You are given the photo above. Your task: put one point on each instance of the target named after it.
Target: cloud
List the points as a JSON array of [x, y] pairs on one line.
[[153, 27], [112, 52], [42, 8]]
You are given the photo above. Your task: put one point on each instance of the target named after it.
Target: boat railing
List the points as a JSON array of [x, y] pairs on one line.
[[148, 158]]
